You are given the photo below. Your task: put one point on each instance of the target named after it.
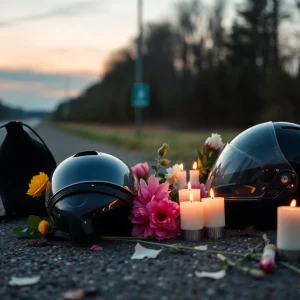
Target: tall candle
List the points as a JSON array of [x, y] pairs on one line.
[[288, 228], [181, 178], [194, 174], [214, 211], [184, 194], [191, 215]]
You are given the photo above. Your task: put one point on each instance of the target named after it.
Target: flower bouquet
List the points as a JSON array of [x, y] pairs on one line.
[[155, 213]]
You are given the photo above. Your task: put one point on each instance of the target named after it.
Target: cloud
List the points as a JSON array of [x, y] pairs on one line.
[[50, 78], [35, 90], [65, 11], [6, 86]]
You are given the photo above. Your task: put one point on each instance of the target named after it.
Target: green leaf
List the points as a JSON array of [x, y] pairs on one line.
[[34, 234], [154, 168], [162, 181], [34, 221], [27, 232], [161, 175], [17, 229], [23, 233]]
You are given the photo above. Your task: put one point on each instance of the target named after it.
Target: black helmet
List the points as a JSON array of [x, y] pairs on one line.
[[91, 193], [256, 172]]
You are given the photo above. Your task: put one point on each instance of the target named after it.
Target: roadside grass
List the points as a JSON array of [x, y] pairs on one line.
[[183, 144]]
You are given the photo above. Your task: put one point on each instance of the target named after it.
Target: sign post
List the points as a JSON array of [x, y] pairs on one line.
[[140, 91]]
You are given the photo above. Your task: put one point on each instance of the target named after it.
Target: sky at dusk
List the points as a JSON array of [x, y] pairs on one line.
[[48, 47]]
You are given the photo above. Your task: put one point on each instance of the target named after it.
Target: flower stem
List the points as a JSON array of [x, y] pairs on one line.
[[250, 254], [175, 246], [257, 274], [287, 265]]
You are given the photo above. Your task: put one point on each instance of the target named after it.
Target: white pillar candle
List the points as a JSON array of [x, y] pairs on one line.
[[181, 178], [191, 213], [184, 194], [194, 174], [214, 211], [288, 227]]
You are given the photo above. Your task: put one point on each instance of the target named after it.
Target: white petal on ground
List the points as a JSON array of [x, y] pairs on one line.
[[142, 252], [24, 281], [213, 275], [202, 247]]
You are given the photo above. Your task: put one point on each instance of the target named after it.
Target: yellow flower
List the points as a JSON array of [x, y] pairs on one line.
[[43, 227], [37, 185]]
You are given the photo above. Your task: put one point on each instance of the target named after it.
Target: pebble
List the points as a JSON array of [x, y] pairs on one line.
[[128, 277], [210, 292]]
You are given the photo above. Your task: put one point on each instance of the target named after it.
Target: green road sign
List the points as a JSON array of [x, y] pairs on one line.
[[140, 95]]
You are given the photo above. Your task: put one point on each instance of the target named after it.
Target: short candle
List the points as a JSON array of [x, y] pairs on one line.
[[181, 178], [288, 230], [191, 214], [214, 211], [194, 174], [184, 194]]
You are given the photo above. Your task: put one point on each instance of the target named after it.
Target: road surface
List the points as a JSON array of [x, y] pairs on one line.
[[65, 266]]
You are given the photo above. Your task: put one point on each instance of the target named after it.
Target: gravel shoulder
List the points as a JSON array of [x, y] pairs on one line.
[[64, 266]]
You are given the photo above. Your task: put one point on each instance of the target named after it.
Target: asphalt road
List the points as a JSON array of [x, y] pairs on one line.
[[65, 266]]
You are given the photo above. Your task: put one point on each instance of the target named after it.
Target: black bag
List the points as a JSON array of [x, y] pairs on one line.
[[22, 157]]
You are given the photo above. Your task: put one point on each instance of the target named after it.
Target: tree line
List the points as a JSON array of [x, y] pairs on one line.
[[203, 73]]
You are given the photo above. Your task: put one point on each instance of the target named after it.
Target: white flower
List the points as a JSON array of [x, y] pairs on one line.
[[214, 142], [171, 176]]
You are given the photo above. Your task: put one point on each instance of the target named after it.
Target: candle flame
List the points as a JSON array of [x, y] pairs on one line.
[[293, 203], [189, 186], [211, 193], [191, 197], [195, 166], [181, 167]]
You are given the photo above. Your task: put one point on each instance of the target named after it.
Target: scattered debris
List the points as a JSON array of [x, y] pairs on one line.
[[249, 231], [142, 252], [39, 243], [202, 247], [80, 294], [24, 281], [213, 275], [96, 248]]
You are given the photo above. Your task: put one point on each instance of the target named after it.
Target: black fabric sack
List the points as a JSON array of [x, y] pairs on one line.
[[22, 157]]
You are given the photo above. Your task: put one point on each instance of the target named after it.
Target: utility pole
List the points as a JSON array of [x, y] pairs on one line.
[[139, 64]]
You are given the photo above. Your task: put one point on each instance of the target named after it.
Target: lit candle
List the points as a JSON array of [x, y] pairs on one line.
[[191, 213], [288, 231], [194, 174], [184, 194], [181, 178], [214, 215]]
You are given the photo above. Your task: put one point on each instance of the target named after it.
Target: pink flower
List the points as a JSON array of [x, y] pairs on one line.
[[152, 190], [153, 214], [141, 170], [162, 215], [198, 185], [96, 248]]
